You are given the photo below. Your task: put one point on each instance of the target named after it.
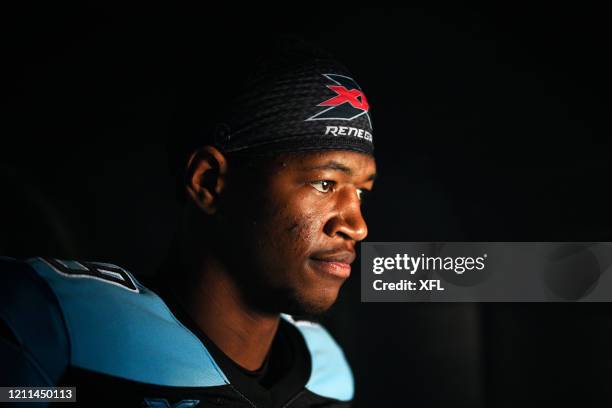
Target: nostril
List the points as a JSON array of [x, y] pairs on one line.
[[343, 235]]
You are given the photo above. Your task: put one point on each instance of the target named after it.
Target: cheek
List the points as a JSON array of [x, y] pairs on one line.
[[295, 227]]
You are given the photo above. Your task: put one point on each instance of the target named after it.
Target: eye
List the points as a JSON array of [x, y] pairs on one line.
[[323, 186]]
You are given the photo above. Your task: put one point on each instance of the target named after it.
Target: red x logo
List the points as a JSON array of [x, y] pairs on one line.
[[355, 97]]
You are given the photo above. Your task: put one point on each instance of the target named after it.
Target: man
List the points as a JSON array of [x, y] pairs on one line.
[[271, 192]]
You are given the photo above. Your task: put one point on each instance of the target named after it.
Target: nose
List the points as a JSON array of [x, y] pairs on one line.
[[348, 221]]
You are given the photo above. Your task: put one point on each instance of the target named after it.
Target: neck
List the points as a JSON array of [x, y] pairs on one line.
[[214, 302]]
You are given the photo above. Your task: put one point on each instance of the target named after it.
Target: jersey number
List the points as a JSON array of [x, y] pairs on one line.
[[108, 273]]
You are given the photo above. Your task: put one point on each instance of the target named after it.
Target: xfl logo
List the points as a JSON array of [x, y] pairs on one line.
[[348, 103]]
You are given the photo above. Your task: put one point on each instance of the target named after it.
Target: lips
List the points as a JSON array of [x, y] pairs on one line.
[[336, 263]]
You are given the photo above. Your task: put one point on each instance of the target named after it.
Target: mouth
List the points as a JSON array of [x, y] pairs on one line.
[[335, 264]]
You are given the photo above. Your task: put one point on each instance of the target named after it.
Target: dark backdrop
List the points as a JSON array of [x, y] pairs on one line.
[[490, 124]]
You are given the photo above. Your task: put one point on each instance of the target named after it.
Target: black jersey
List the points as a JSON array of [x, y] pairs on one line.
[[94, 326]]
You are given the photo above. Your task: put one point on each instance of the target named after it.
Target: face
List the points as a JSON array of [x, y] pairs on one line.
[[298, 228]]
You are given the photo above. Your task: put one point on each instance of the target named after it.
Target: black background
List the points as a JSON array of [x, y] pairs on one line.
[[490, 124]]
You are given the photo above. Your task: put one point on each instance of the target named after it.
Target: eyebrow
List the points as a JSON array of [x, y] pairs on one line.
[[334, 165]]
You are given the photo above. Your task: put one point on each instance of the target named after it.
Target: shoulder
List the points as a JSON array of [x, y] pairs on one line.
[[331, 375], [118, 327]]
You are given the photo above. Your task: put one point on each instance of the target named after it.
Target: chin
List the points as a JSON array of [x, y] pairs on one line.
[[312, 303], [302, 297]]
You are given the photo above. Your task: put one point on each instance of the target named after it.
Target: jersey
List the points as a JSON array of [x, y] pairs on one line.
[[96, 327]]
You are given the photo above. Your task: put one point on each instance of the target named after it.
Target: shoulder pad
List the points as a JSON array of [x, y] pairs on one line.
[[120, 328], [331, 375]]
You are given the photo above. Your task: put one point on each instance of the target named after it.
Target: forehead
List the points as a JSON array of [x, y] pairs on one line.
[[343, 160]]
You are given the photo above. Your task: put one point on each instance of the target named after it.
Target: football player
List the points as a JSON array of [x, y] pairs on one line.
[[271, 180]]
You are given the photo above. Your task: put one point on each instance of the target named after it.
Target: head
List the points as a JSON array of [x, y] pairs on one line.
[[274, 183], [285, 227]]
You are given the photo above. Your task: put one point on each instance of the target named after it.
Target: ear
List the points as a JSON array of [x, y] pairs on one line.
[[205, 177]]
